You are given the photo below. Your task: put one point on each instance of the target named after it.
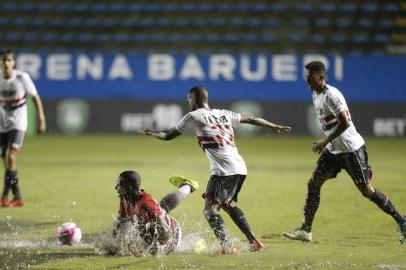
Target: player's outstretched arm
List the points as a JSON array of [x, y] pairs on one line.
[[42, 125], [256, 121], [166, 135]]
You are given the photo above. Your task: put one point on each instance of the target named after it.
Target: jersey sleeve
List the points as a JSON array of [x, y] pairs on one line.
[[186, 124], [234, 117], [29, 86], [152, 205], [336, 103]]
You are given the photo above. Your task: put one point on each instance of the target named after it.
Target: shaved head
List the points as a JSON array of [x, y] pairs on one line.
[[198, 98]]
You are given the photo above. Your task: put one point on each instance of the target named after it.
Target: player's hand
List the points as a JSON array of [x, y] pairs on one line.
[[278, 128], [42, 127], [147, 131], [319, 145]]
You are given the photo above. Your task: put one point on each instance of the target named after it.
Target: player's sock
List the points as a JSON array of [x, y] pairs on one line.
[[7, 185], [383, 202], [13, 178], [170, 201], [217, 224], [237, 215], [311, 205]]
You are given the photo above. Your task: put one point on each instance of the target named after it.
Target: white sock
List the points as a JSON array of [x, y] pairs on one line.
[[185, 190]]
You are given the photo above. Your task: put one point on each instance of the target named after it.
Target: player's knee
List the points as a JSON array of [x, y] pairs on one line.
[[11, 159], [208, 213], [366, 191]]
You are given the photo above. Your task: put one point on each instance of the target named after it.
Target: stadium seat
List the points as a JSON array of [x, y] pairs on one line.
[[223, 7], [365, 22], [27, 6], [139, 37], [301, 22], [278, 7], [338, 38], [296, 38], [327, 7], [344, 22], [267, 37], [369, 7], [254, 22], [21, 21], [241, 7], [381, 38], [317, 39], [360, 38], [272, 22], [305, 7], [31, 37], [68, 37], [80, 7], [249, 38], [99, 7], [260, 7], [386, 23], [347, 7], [45, 6], [390, 7], [322, 22], [8, 7], [230, 38], [170, 7], [13, 37], [4, 21]]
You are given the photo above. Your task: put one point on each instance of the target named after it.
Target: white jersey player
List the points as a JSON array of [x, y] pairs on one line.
[[15, 88], [214, 131], [215, 134], [328, 105], [342, 148]]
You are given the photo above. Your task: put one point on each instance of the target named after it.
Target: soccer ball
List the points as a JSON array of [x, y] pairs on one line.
[[200, 246], [68, 234]]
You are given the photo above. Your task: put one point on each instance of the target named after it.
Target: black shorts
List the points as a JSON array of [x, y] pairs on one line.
[[13, 138], [224, 189], [355, 163]]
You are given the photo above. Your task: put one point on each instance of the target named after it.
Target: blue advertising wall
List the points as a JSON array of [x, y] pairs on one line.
[[229, 77]]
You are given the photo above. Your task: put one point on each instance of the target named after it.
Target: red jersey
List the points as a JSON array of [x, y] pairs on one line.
[[146, 211]]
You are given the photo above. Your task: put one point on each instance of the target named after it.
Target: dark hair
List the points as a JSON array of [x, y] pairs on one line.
[[129, 179], [201, 94], [5, 52], [316, 66]]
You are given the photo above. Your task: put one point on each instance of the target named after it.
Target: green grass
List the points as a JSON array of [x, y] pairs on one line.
[[73, 178]]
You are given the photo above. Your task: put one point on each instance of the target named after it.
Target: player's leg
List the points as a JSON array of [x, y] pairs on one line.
[[361, 173], [237, 215], [15, 143], [214, 197], [172, 200], [327, 167], [4, 138]]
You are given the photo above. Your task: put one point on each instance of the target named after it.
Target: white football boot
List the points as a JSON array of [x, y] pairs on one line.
[[299, 234]]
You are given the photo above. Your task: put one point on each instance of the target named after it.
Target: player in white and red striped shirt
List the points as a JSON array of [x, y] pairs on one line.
[[15, 88], [341, 148], [214, 131]]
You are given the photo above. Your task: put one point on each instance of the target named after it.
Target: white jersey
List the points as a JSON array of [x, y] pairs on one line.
[[328, 104], [13, 96], [215, 134]]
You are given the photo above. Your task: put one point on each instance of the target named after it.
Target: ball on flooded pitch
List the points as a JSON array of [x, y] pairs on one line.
[[68, 234], [200, 246]]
